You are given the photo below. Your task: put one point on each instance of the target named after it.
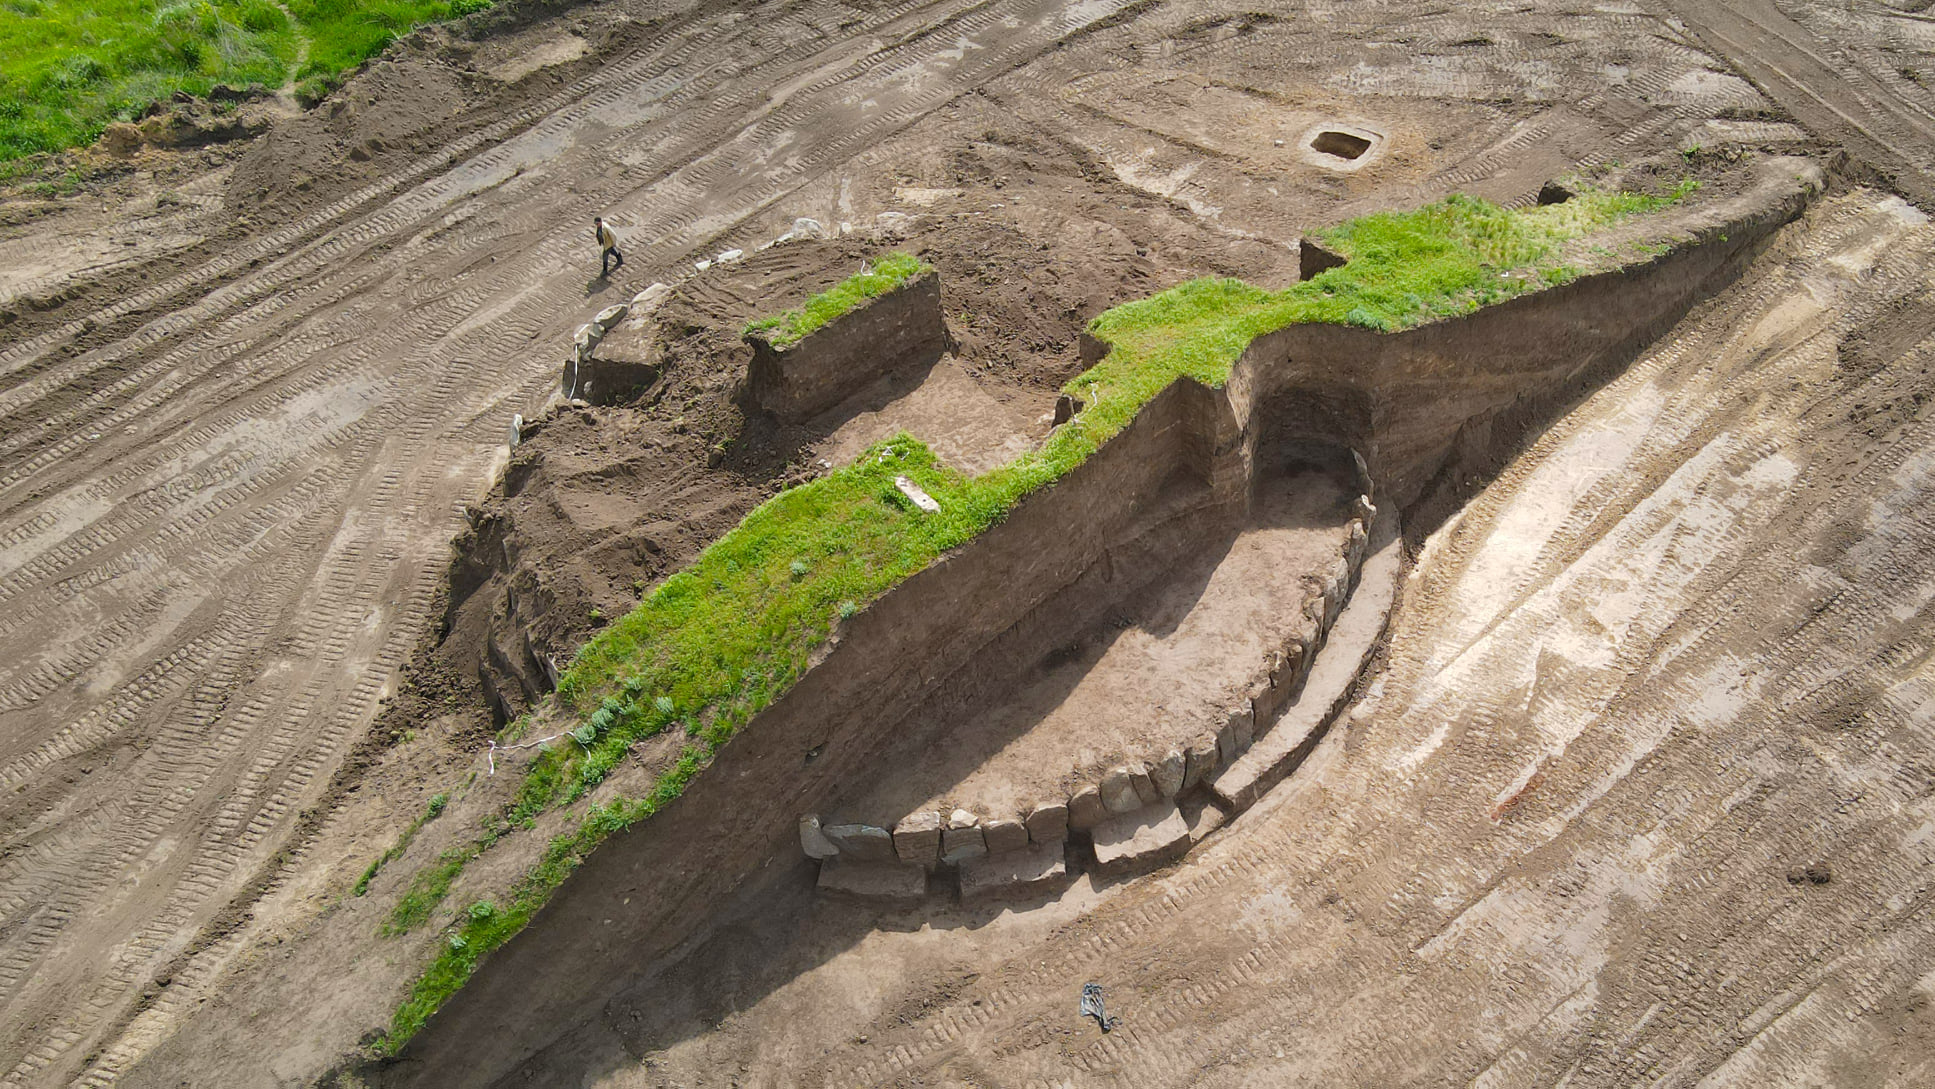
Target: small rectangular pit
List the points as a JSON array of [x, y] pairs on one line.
[[1342, 145]]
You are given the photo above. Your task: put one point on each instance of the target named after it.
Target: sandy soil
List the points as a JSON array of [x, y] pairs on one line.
[[232, 455]]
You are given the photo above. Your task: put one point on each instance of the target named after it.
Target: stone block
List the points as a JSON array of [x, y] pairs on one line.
[[813, 841], [958, 845], [1226, 749], [1118, 791], [651, 296], [917, 839], [1168, 773], [1243, 724], [861, 842], [1085, 808], [1014, 874], [1145, 786], [1142, 840], [1357, 541], [1048, 823], [1200, 761], [876, 882], [610, 316], [1005, 835]]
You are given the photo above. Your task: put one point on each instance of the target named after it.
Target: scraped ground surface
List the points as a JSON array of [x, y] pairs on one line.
[[1661, 679], [1673, 655]]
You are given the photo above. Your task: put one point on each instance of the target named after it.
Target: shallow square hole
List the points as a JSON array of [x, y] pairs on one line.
[[1341, 144]]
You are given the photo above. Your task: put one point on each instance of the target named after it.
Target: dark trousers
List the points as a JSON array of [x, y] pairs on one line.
[[605, 265]]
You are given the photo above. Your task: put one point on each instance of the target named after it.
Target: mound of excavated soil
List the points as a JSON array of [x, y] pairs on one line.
[[600, 503]]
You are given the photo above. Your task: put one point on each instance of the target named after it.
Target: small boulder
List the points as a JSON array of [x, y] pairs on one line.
[[1118, 791], [861, 842], [813, 841], [1048, 823], [1200, 761], [1005, 835], [1168, 773], [917, 839], [1085, 808], [959, 845]]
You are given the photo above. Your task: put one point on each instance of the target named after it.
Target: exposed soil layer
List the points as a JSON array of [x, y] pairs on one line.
[[233, 454], [1708, 817], [1167, 664]]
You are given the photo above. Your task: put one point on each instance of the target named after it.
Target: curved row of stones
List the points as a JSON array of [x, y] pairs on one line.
[[1132, 816]]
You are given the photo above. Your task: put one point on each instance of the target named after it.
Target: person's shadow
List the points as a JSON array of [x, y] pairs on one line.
[[598, 285]]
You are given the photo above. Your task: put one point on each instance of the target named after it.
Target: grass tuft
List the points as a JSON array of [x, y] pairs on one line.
[[888, 272], [69, 68]]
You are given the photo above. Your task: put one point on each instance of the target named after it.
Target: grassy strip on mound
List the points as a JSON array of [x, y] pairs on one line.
[[887, 272], [402, 844], [725, 637], [69, 67]]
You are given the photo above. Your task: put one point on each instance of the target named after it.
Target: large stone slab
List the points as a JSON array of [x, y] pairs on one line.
[[1352, 639], [1014, 874], [861, 842], [877, 882], [917, 839], [1140, 841]]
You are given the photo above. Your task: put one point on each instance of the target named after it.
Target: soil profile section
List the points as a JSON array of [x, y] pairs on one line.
[[656, 881], [1433, 407], [1420, 407], [902, 328]]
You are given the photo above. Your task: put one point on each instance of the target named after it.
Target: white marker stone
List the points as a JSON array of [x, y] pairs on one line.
[[913, 492]]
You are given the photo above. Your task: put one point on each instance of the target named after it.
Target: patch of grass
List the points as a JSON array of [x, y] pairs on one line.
[[725, 637], [402, 844], [428, 888], [68, 68], [886, 273]]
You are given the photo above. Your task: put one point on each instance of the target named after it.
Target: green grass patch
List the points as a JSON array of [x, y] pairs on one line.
[[402, 844], [725, 637], [68, 68], [886, 273]]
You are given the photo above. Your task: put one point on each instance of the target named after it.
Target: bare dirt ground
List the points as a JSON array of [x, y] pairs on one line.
[[1638, 796]]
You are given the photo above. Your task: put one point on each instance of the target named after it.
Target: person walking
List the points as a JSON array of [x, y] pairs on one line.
[[607, 248]]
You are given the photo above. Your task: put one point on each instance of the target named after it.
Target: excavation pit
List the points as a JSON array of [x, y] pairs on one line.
[[1164, 664], [1340, 145]]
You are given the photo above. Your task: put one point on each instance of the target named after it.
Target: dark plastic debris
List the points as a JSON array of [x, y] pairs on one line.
[[1092, 1007]]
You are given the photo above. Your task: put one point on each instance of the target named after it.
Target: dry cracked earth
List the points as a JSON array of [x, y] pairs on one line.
[[1641, 789]]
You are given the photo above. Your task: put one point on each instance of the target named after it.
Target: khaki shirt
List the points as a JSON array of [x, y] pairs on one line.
[[606, 239]]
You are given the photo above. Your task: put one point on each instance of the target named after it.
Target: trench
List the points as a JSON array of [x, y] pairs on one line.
[[967, 665]]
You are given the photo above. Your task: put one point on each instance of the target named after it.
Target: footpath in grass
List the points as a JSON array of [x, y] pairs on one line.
[[719, 641], [68, 68]]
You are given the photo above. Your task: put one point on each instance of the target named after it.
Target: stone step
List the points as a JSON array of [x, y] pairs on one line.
[[1277, 753], [1015, 874], [1140, 841], [879, 882]]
